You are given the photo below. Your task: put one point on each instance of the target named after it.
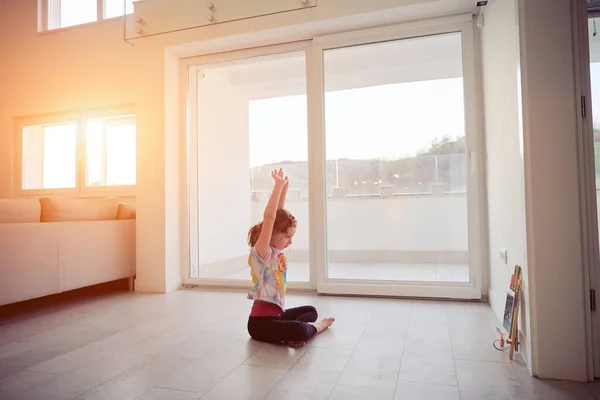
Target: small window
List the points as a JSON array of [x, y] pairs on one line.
[[65, 13], [77, 12], [115, 8], [110, 152], [50, 154]]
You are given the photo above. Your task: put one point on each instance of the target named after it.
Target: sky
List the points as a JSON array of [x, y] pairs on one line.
[[387, 121]]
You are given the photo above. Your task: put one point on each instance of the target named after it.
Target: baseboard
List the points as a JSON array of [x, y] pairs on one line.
[[497, 300], [60, 300]]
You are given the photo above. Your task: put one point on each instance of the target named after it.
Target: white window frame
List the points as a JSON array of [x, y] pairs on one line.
[[45, 14], [80, 118]]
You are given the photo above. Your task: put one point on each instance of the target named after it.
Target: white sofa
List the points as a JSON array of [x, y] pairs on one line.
[[52, 245]]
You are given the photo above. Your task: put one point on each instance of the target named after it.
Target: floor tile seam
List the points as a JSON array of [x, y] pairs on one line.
[[403, 349]]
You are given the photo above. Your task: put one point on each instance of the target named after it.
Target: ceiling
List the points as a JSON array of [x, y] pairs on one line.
[[416, 59]]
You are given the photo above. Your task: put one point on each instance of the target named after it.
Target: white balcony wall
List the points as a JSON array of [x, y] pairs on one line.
[[424, 223]]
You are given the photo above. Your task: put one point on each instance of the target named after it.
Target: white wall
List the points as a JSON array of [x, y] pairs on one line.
[[504, 157], [175, 185], [550, 109], [531, 117]]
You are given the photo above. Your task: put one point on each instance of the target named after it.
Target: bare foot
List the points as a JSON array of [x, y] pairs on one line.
[[323, 324]]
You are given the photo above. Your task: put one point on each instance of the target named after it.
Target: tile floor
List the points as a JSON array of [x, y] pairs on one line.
[[193, 345]]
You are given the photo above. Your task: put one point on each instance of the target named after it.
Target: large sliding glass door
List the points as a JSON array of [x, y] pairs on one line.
[[377, 131], [399, 172]]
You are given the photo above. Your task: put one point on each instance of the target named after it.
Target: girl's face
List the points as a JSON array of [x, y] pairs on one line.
[[282, 240]]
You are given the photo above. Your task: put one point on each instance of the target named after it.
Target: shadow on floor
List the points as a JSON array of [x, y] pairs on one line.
[[57, 302]]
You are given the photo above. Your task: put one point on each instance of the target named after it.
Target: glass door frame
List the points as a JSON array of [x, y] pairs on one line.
[[477, 217], [475, 163], [588, 186], [189, 67]]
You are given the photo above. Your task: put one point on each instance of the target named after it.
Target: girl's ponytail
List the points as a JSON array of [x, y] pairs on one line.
[[254, 233]]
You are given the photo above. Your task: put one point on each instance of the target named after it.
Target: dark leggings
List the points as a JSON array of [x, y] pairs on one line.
[[290, 326]]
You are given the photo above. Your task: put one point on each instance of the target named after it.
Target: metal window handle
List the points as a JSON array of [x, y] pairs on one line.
[[211, 6]]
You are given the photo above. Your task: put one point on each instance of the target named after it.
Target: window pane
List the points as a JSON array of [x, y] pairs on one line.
[[251, 119], [396, 161], [120, 154], [268, 118], [60, 156], [76, 12], [49, 156], [114, 8], [111, 152]]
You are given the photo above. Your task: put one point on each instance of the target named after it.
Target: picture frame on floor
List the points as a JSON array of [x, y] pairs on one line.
[[509, 331]]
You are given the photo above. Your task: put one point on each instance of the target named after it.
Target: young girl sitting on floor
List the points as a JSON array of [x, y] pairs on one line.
[[268, 322]]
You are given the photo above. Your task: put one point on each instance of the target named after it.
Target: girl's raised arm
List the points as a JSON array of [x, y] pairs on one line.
[[264, 239], [283, 194]]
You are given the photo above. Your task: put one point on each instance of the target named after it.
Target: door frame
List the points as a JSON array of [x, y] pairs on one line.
[[313, 48], [189, 67], [587, 184], [477, 215]]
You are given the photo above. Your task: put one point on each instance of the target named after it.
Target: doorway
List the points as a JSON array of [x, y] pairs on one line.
[[378, 133]]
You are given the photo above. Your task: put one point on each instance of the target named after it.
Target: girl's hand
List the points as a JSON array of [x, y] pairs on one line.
[[280, 179]]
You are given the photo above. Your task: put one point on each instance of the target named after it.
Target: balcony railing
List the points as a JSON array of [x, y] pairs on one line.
[[418, 175]]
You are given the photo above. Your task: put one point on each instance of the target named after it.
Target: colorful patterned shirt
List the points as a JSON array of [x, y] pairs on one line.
[[269, 276]]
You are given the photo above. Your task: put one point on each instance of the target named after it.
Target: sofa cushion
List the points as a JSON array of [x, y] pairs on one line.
[[19, 210], [58, 209], [126, 211]]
